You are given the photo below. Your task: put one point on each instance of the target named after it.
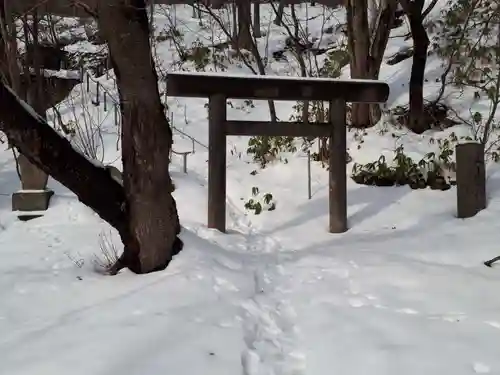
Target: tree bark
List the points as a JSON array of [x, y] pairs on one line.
[[256, 19], [413, 10], [367, 42], [380, 33], [146, 138], [358, 34], [8, 48], [234, 13], [279, 13], [244, 24]]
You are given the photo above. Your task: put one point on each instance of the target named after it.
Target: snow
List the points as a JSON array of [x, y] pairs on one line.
[[403, 291]]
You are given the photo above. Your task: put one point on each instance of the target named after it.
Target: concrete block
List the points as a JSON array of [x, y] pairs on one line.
[[31, 200]]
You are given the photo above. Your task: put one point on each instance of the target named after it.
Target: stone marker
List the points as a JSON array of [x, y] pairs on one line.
[[471, 179], [34, 195]]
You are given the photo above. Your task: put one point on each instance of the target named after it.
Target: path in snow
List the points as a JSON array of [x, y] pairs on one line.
[[268, 318], [271, 336]]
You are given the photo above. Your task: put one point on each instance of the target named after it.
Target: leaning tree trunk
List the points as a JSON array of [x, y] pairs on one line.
[[146, 138], [53, 154], [414, 9]]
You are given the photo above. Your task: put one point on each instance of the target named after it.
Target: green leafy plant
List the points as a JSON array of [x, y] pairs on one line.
[[259, 203], [467, 39], [427, 172], [267, 149], [335, 60]]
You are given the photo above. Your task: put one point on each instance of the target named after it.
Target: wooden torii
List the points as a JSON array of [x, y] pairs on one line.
[[219, 87]]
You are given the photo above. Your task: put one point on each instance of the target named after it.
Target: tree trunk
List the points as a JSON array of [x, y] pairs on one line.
[[256, 19], [367, 42], [359, 48], [146, 138], [279, 13], [372, 13], [380, 32], [416, 121], [382, 26], [8, 49], [244, 24], [234, 12]]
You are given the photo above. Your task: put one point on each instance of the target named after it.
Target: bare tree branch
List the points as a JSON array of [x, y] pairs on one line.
[[431, 6]]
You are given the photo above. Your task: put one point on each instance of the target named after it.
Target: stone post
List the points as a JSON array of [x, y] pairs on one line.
[[471, 179], [34, 195]]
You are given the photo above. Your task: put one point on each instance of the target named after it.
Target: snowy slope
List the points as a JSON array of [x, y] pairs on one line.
[[403, 291]]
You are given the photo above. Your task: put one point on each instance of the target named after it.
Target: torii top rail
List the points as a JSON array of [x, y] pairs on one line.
[[217, 88]]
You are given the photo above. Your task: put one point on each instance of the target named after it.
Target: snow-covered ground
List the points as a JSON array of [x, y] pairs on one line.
[[404, 291]]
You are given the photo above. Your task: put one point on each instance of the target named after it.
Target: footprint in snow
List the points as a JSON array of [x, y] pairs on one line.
[[407, 311], [454, 317], [493, 324], [481, 368], [225, 324], [353, 288], [356, 302], [221, 284], [362, 300]]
